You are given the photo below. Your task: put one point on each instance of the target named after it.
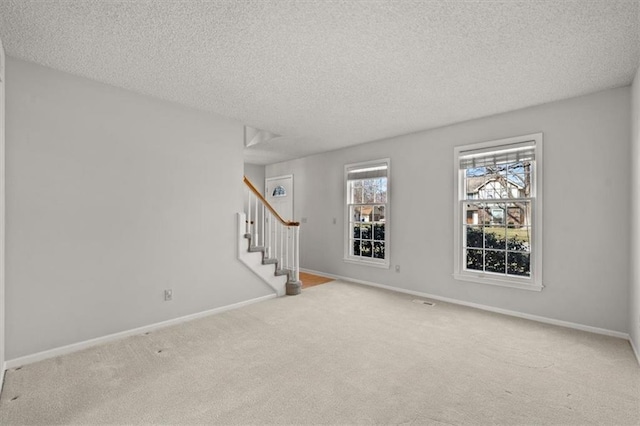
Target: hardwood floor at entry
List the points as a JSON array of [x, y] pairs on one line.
[[309, 280]]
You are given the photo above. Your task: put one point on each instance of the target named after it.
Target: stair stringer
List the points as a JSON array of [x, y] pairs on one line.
[[253, 260]]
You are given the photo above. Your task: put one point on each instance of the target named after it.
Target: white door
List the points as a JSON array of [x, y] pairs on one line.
[[279, 193]]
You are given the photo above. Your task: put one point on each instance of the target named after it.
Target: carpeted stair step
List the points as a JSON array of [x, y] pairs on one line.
[[282, 272]]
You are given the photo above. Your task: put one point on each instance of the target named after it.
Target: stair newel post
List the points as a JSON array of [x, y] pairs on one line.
[[267, 235], [262, 225], [296, 262], [249, 216], [255, 224], [285, 245], [275, 240], [288, 248], [281, 226], [290, 254], [275, 237], [245, 202], [294, 286]]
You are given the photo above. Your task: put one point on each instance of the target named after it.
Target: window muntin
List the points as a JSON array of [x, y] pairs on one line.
[[367, 212], [497, 235]]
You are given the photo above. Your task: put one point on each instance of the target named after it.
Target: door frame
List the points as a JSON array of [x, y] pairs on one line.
[[266, 184]]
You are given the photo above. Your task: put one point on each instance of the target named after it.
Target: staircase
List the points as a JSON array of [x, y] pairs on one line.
[[268, 244]]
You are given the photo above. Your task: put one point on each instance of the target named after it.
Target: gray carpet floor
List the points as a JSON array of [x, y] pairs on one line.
[[339, 353]]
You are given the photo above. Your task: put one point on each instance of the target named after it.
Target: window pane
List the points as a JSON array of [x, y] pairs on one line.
[[497, 216], [519, 177], [494, 237], [366, 213], [472, 182], [378, 250], [381, 191], [494, 188], [366, 248], [515, 215], [356, 192], [356, 247], [365, 231], [474, 236], [485, 214], [519, 239], [519, 264], [369, 189], [356, 230], [378, 231], [472, 216], [355, 214], [494, 261], [474, 259], [487, 182], [378, 213], [493, 214]]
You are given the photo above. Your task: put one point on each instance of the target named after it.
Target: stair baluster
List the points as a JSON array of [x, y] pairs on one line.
[[276, 238]]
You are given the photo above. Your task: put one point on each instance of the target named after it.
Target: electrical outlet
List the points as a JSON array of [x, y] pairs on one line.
[[168, 295], [397, 268]]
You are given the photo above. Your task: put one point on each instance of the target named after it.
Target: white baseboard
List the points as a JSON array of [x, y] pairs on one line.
[[63, 350], [537, 318], [635, 350], [2, 374]]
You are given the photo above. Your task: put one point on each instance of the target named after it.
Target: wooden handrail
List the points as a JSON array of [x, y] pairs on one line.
[[266, 203]]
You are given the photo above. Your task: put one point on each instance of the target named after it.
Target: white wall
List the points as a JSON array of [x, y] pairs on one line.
[[255, 173], [2, 216], [113, 197], [586, 209], [634, 290]]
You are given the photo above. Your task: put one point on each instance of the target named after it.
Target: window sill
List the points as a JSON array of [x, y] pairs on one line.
[[485, 279], [381, 265]]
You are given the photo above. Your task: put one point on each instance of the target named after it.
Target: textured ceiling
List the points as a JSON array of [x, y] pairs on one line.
[[327, 74]]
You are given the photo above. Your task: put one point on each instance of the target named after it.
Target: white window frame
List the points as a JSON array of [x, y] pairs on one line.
[[534, 281], [348, 258]]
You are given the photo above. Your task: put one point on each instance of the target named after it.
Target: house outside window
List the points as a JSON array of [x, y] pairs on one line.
[[498, 212], [367, 213]]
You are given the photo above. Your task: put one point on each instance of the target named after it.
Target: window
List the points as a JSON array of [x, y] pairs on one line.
[[279, 191], [367, 210], [498, 212]]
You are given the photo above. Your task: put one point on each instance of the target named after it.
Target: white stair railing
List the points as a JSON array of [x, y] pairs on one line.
[[276, 238]]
